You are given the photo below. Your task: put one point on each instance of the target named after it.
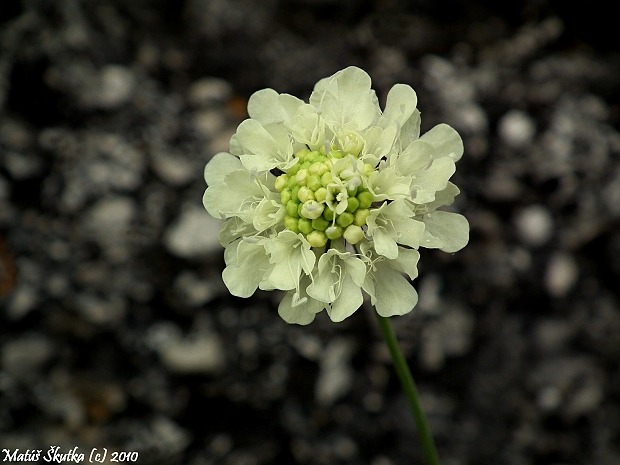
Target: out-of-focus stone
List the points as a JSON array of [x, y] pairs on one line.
[[199, 352], [193, 290], [209, 91], [21, 166], [336, 375], [208, 123], [202, 354], [26, 354], [561, 275], [108, 222], [174, 170], [534, 225], [517, 128], [193, 234], [117, 86]]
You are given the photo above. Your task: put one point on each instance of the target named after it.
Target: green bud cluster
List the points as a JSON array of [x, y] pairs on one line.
[[303, 192]]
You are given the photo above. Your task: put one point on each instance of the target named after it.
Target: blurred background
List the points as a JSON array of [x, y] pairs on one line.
[[116, 330]]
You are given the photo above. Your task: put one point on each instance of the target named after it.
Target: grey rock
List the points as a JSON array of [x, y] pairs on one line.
[[336, 374], [561, 274], [209, 91], [517, 128], [26, 354], [534, 225], [193, 234]]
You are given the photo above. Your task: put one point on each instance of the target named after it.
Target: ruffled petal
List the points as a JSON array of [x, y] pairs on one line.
[[407, 262], [387, 184], [349, 300], [446, 141], [299, 308], [410, 130], [234, 228], [290, 254], [309, 127], [432, 180], [378, 144], [444, 197], [219, 166], [389, 291], [445, 231], [266, 147], [241, 257], [399, 106], [394, 295], [416, 157], [267, 106], [346, 100], [233, 196]]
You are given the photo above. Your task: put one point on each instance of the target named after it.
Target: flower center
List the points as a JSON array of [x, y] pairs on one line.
[[325, 195]]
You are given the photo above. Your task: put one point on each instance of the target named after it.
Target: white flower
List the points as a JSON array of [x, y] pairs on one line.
[[328, 198]]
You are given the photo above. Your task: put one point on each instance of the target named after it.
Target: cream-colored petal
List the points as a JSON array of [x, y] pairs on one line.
[[432, 180], [244, 256], [446, 141], [445, 231], [349, 300], [219, 166], [267, 106], [416, 157], [346, 100], [399, 106], [266, 147]]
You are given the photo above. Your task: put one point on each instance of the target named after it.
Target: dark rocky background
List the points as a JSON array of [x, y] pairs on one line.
[[116, 330]]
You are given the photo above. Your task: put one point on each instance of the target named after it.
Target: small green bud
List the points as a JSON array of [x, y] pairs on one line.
[[334, 232], [361, 215], [291, 182], [313, 157], [291, 209], [313, 182], [328, 214], [295, 193], [302, 154], [306, 164], [326, 178], [281, 182], [352, 204], [320, 223], [311, 209], [301, 176], [317, 238], [365, 198], [305, 225], [285, 196], [320, 194], [353, 234], [345, 219], [291, 223], [305, 194], [292, 171]]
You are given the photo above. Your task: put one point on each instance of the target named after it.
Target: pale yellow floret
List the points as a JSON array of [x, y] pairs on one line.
[[317, 238], [353, 234]]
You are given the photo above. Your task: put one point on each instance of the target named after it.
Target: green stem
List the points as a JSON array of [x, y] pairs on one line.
[[410, 390]]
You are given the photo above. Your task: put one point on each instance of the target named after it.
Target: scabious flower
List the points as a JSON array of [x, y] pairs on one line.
[[328, 198]]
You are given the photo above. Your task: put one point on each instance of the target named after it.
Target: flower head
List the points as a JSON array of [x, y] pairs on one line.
[[328, 198]]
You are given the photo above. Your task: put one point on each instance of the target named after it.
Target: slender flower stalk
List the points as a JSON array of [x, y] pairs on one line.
[[410, 389]]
